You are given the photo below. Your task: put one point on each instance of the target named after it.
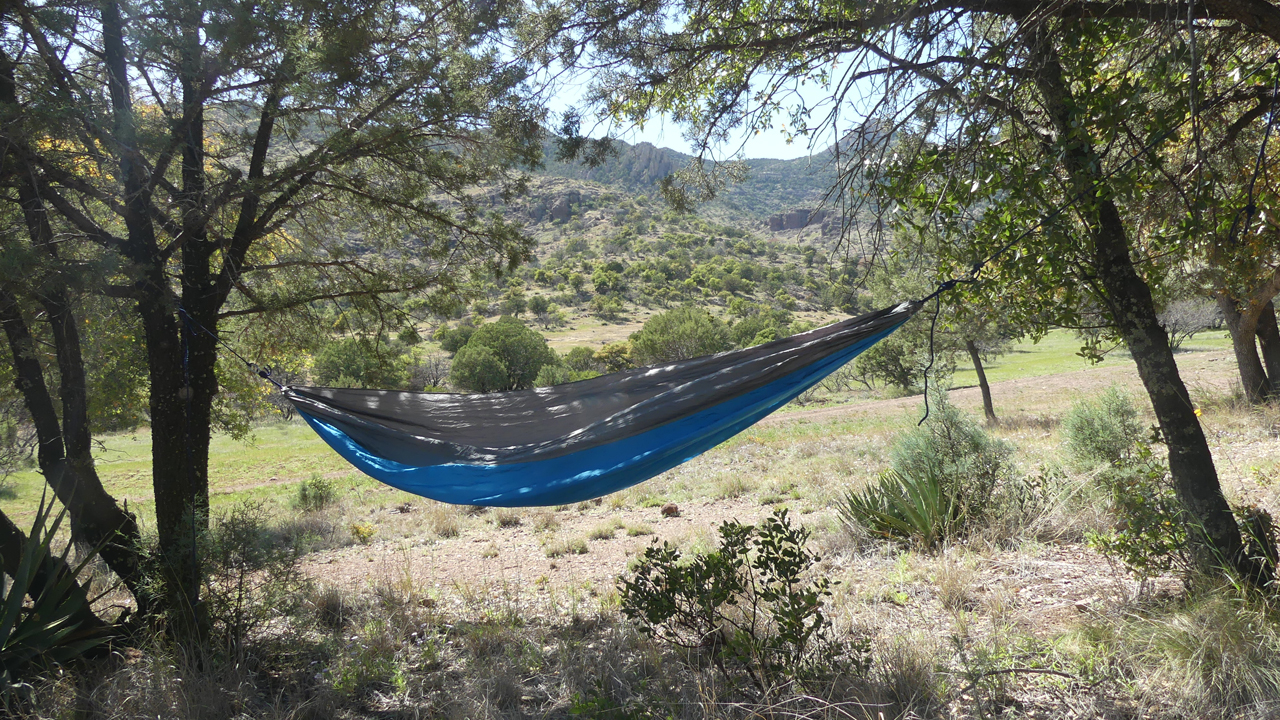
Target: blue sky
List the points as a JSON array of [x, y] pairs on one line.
[[767, 144], [664, 133]]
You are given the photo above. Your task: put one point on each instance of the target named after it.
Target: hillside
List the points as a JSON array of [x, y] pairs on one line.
[[775, 196]]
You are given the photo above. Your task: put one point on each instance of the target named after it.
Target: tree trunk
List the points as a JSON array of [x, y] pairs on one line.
[[178, 478], [64, 452], [1243, 328], [987, 407], [1269, 339], [1128, 298], [66, 442]]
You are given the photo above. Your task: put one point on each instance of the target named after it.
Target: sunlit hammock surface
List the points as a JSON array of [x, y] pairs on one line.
[[580, 440]]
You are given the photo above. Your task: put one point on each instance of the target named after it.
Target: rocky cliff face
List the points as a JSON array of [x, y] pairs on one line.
[[552, 199], [797, 219]]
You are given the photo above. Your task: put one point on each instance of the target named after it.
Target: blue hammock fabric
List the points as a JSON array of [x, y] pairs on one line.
[[581, 440]]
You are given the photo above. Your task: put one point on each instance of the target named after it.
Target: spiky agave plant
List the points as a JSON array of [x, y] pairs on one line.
[[50, 628]]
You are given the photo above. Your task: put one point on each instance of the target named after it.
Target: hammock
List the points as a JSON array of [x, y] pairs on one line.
[[581, 440]]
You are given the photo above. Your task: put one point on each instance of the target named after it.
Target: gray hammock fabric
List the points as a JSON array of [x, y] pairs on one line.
[[579, 440]]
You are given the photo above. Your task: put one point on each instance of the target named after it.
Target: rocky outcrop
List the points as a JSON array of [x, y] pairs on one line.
[[555, 205], [797, 219], [562, 206]]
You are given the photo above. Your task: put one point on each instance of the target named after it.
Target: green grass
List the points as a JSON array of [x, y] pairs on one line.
[[1057, 353], [238, 470]]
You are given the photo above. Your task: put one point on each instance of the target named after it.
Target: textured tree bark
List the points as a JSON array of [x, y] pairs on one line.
[[987, 407], [1269, 339], [1128, 298], [1243, 327], [178, 475]]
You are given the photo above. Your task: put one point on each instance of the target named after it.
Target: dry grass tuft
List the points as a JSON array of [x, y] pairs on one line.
[[443, 520], [602, 532], [639, 529], [908, 684], [1043, 423], [735, 485], [953, 582], [560, 548], [1216, 655], [330, 607], [507, 517], [545, 520]]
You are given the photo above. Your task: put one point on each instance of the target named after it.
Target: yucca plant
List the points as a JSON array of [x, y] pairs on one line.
[[946, 478], [50, 628], [918, 507]]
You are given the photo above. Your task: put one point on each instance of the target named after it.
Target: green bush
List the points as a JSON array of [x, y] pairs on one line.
[[1102, 431], [758, 323], [750, 605], [478, 369], [946, 478], [581, 359], [252, 577], [501, 355], [678, 334], [615, 356], [606, 307], [916, 507], [454, 339], [553, 374], [1149, 537], [315, 493], [561, 373]]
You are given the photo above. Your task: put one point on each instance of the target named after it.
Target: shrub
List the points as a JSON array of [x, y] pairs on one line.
[[678, 334], [1103, 431], [615, 356], [454, 339], [607, 307], [363, 532], [581, 359], [362, 362], [315, 493], [478, 369], [519, 353], [759, 323], [513, 302], [1149, 537], [552, 374], [946, 478], [747, 604], [251, 574], [608, 282], [917, 507]]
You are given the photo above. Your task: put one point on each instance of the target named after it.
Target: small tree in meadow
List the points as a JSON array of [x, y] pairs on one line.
[[679, 334]]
